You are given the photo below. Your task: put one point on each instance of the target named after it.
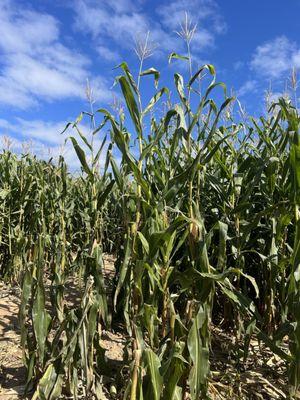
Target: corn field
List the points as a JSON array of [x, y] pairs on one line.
[[200, 209]]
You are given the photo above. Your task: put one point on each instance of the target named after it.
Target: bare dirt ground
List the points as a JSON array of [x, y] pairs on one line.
[[264, 376], [12, 372]]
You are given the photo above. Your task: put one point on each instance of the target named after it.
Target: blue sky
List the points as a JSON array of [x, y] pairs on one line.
[[49, 48]]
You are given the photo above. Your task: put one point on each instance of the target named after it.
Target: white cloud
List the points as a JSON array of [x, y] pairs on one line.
[[44, 139], [120, 6], [108, 54], [121, 22], [39, 78], [275, 58], [47, 132], [22, 30], [238, 65], [100, 20], [35, 64], [39, 137], [249, 86], [202, 38], [200, 11], [42, 136], [273, 97]]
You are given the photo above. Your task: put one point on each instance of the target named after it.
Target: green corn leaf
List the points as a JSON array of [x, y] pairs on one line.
[[154, 100], [50, 385], [84, 139], [156, 381], [117, 174], [124, 269], [207, 67], [199, 356], [152, 71], [100, 150], [103, 196], [180, 87], [129, 76], [131, 104], [177, 57], [144, 242], [81, 156], [41, 320]]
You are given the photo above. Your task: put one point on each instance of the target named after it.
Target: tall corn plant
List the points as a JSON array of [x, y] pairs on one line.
[[194, 179], [65, 363], [167, 281], [207, 215], [290, 114]]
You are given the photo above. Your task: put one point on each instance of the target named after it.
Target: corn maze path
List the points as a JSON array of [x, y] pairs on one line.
[[12, 372], [264, 378]]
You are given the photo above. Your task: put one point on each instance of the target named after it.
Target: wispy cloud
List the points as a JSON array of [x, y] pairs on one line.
[[276, 57], [121, 21], [39, 65], [35, 64], [47, 132], [108, 54], [248, 87], [44, 139], [203, 12], [107, 20], [238, 65]]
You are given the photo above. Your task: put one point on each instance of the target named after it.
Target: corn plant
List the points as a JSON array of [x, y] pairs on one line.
[[202, 213]]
